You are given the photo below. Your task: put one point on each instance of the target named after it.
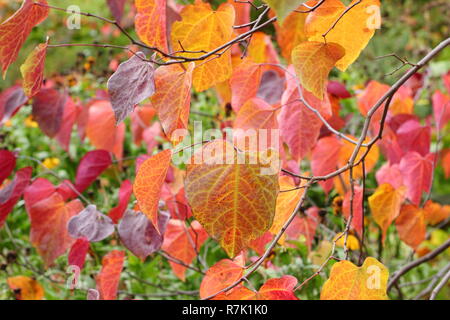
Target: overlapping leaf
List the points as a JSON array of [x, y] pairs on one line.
[[151, 23], [109, 277], [33, 70]]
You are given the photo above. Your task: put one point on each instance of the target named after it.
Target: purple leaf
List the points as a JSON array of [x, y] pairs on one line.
[[93, 294], [271, 87], [48, 110], [90, 224], [91, 166], [7, 164], [116, 7], [132, 83], [10, 102], [139, 235]]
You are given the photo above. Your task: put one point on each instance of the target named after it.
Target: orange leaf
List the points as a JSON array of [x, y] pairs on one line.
[[179, 242], [313, 62], [33, 70], [435, 213], [349, 282], [219, 276], [49, 217], [150, 23], [244, 83], [385, 205], [203, 30], [15, 30], [234, 201], [172, 98], [353, 31], [411, 225], [25, 288], [109, 277], [148, 184]]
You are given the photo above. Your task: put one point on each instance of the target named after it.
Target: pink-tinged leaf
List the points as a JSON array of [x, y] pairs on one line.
[[183, 243], [148, 184], [40, 189], [300, 126], [109, 277], [93, 294], [245, 83], [48, 110], [11, 100], [7, 164], [140, 120], [70, 115], [139, 235], [271, 87], [172, 99], [304, 226], [91, 166], [151, 22], [413, 137], [78, 252], [369, 97], [132, 83], [49, 218], [177, 204], [358, 218], [116, 7], [338, 90], [33, 70], [125, 191], [67, 190], [11, 193], [15, 30], [417, 173], [325, 158], [441, 108], [390, 174], [90, 224]]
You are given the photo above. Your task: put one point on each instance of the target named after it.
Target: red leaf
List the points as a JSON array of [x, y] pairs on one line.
[[15, 30], [441, 108], [109, 277], [417, 172], [48, 110], [116, 213], [91, 166], [132, 83], [70, 115], [116, 7], [245, 83], [304, 226], [139, 235], [90, 224], [7, 164], [390, 174], [413, 137], [325, 158], [357, 221], [11, 100], [33, 70], [77, 253], [11, 193]]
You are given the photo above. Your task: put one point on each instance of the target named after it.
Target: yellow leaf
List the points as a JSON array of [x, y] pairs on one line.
[[352, 241], [313, 62], [203, 30], [349, 282], [385, 205], [353, 31]]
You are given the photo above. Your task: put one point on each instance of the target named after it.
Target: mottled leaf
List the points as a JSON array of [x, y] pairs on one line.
[[90, 224], [33, 70]]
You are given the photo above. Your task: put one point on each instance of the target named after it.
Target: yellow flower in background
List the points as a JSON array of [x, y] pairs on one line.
[[352, 241], [51, 163], [30, 123], [8, 123]]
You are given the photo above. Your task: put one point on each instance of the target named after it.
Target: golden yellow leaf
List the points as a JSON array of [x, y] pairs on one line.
[[25, 288], [349, 282], [203, 30]]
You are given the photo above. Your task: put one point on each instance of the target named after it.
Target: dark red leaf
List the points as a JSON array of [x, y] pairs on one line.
[[116, 7], [11, 100], [77, 253], [7, 164], [126, 189], [48, 110], [91, 166]]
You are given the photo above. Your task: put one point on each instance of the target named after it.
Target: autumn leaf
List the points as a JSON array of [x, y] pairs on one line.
[[245, 83], [435, 213], [283, 7], [349, 282], [353, 31], [48, 110], [150, 23], [11, 193], [139, 235], [125, 192], [70, 115], [313, 62], [78, 252], [132, 83], [90, 224], [183, 243], [411, 225], [385, 205], [271, 87], [234, 202], [116, 7], [221, 275], [148, 184], [11, 100], [325, 158], [358, 213], [390, 174], [49, 216], [304, 227], [203, 30], [33, 70], [172, 99], [109, 277], [90, 167], [25, 288], [16, 29], [441, 108], [7, 164]]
